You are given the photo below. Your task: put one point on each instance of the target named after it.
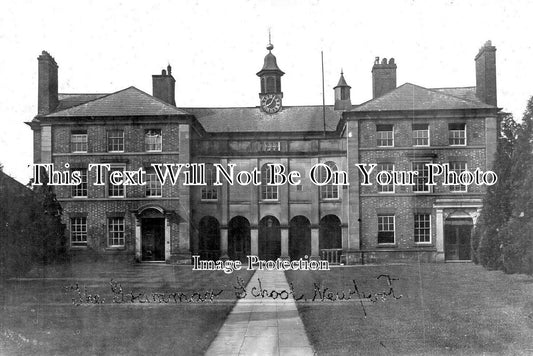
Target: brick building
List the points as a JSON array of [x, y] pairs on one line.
[[401, 128]]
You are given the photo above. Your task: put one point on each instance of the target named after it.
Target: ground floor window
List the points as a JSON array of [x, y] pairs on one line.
[[78, 231], [385, 229], [422, 228], [115, 231]]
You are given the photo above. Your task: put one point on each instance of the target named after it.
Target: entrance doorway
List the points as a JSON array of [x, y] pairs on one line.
[[269, 238], [299, 237], [153, 239], [457, 239], [238, 238]]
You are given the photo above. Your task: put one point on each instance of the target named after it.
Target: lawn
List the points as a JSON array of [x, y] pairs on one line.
[[38, 316], [452, 309]]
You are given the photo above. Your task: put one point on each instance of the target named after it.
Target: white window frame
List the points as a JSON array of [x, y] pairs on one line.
[[74, 143], [461, 188], [209, 191], [393, 226], [121, 232], [268, 192], [430, 229], [110, 146], [83, 186], [328, 191], [379, 186], [78, 231], [428, 187], [452, 132], [152, 184], [115, 167], [379, 137], [415, 136], [158, 138]]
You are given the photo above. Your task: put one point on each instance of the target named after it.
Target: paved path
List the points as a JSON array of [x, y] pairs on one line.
[[263, 326]]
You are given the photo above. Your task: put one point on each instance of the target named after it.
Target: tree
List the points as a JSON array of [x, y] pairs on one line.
[[497, 202], [517, 233]]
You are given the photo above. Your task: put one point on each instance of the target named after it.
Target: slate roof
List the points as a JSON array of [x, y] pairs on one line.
[[127, 102], [413, 97], [69, 100], [253, 119], [467, 93]]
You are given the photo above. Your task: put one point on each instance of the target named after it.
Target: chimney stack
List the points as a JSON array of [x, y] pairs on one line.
[[47, 99], [486, 74], [163, 86], [383, 77]]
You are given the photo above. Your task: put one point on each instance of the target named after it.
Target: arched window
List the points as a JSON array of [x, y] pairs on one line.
[[268, 192], [330, 190], [210, 191]]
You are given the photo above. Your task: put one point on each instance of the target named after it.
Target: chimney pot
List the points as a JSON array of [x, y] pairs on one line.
[[163, 86], [383, 77]]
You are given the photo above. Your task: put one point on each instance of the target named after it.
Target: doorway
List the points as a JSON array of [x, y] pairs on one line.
[[457, 239], [153, 239]]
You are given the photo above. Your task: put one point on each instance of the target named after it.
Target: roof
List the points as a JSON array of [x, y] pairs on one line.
[[467, 93], [413, 97], [342, 82], [253, 119], [127, 102], [69, 100]]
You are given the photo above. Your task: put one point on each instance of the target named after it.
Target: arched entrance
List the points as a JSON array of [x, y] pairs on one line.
[[299, 237], [330, 239], [209, 238], [269, 238], [152, 235], [457, 230], [238, 238]]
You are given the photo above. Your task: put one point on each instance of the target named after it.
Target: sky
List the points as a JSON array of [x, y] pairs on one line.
[[216, 47]]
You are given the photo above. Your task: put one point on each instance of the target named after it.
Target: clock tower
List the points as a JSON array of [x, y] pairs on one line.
[[270, 76]]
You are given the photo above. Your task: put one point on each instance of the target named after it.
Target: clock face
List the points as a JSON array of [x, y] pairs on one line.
[[271, 103]]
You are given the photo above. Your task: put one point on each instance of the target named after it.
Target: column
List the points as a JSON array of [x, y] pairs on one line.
[[224, 243], [284, 243], [138, 250], [167, 239], [315, 253], [254, 241], [439, 242]]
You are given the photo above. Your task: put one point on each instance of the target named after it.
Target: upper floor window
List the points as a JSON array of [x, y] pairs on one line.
[[78, 141], [268, 192], [115, 232], [153, 185], [330, 190], [115, 190], [422, 178], [385, 229], [385, 188], [115, 141], [420, 135], [80, 190], [210, 191], [78, 231], [457, 134], [385, 135], [422, 228], [153, 140], [458, 167], [271, 146]]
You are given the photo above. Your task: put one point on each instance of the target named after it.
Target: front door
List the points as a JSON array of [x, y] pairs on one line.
[[457, 239], [153, 239]]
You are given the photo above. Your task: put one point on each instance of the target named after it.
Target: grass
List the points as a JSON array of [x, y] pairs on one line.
[[38, 317], [452, 309]]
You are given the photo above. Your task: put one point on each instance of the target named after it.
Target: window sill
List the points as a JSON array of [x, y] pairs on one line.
[[269, 201], [386, 245], [209, 200]]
